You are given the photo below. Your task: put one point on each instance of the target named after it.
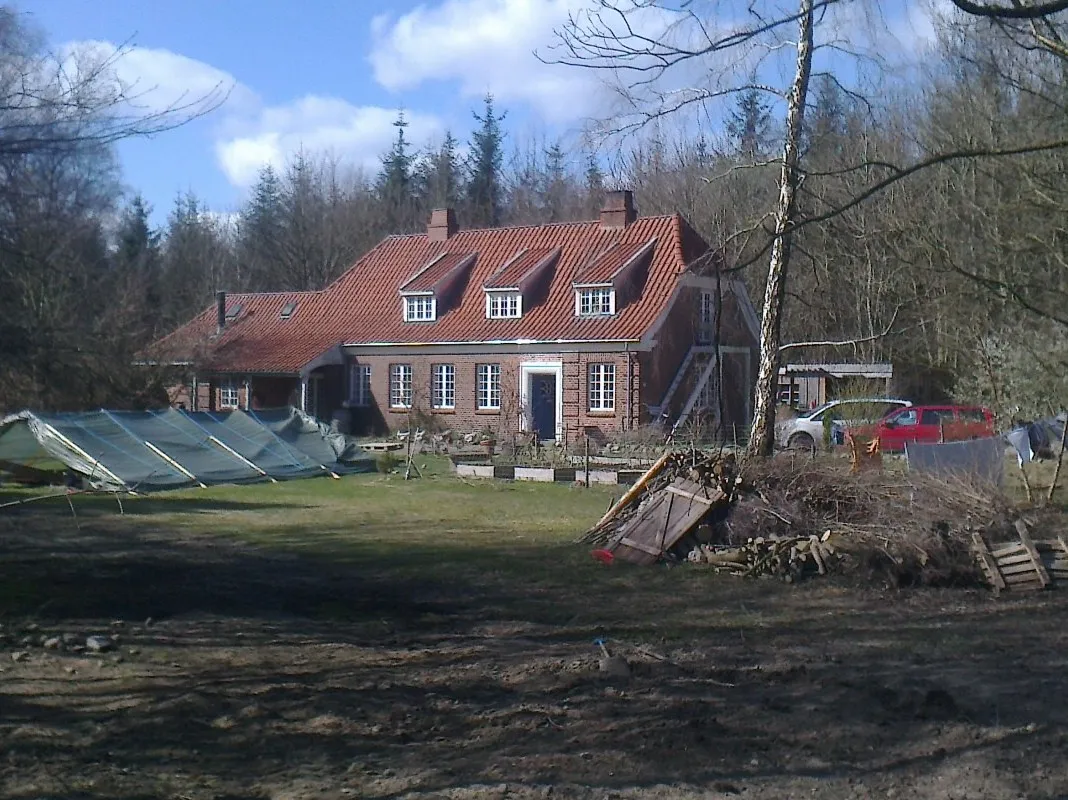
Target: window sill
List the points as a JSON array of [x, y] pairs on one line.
[[600, 413], [493, 411], [451, 410]]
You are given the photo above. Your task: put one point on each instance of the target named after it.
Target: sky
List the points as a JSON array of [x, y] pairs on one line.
[[330, 76]]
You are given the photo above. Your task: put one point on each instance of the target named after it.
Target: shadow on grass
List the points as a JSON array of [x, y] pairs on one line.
[[397, 661]]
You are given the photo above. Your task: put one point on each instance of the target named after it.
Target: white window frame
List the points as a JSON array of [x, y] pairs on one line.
[[400, 385], [420, 308], [227, 389], [443, 386], [360, 385], [504, 305], [601, 387], [488, 387], [595, 301], [708, 308]]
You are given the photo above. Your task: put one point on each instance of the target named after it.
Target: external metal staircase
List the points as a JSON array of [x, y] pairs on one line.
[[707, 373]]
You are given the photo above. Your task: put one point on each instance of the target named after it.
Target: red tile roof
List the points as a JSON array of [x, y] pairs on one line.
[[363, 305], [438, 269], [605, 266], [521, 266]]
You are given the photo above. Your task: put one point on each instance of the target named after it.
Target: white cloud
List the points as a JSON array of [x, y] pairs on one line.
[[155, 80], [359, 134], [247, 134], [487, 46]]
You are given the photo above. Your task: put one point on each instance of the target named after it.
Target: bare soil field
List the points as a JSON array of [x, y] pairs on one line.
[[380, 639]]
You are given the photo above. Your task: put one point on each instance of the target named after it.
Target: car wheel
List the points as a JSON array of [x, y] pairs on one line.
[[801, 441]]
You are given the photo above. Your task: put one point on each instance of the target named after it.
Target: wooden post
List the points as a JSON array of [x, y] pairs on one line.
[[1060, 460], [587, 459], [636, 489], [1027, 483], [941, 432]]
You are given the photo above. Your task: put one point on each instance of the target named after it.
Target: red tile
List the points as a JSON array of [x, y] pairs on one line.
[[363, 306]]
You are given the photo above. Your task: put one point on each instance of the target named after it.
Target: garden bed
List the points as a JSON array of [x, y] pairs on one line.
[[483, 467]]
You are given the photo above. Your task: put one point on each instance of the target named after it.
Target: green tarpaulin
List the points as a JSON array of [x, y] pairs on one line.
[[169, 449]]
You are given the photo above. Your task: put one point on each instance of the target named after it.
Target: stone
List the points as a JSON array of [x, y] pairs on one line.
[[98, 644], [52, 643], [148, 622], [19, 656], [69, 638]]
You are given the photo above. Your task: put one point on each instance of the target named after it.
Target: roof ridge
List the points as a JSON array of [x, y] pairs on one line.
[[533, 225]]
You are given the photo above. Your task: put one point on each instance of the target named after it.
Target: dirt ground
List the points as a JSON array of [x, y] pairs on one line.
[[263, 674]]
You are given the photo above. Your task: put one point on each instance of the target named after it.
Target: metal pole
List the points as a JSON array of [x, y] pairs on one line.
[[587, 460]]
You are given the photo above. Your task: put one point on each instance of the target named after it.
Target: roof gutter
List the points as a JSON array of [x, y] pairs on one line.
[[163, 363], [495, 342]]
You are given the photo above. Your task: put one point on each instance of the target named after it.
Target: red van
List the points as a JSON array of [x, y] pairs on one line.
[[933, 424]]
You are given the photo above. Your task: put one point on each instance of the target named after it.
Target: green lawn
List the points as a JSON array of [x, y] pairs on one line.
[[494, 549]]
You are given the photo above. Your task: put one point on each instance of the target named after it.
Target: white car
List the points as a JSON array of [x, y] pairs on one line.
[[806, 430]]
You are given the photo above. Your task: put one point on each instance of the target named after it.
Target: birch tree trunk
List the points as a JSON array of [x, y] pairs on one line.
[[762, 435]]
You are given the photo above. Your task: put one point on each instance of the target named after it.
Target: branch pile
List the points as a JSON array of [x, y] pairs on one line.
[[792, 517]]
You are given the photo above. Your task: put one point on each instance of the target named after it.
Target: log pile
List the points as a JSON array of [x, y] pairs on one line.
[[793, 517], [787, 558]]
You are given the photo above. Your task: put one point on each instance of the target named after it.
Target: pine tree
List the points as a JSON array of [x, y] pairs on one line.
[[260, 230], [556, 188], [748, 127], [395, 185], [828, 115], [484, 187], [138, 260], [594, 187], [442, 175]]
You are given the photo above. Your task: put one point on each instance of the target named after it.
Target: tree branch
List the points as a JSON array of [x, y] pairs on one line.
[[1016, 12], [847, 342]]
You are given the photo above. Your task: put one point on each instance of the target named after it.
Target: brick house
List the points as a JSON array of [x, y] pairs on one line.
[[605, 324]]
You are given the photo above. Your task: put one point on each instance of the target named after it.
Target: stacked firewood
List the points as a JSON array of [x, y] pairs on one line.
[[789, 558]]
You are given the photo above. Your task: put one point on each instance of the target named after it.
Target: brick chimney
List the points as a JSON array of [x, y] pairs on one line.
[[619, 210], [442, 225]]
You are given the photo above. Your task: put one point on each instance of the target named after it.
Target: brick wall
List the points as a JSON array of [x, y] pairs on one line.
[[181, 396], [272, 392], [674, 339], [467, 418]]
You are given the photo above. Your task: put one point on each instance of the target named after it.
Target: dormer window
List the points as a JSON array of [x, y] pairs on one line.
[[612, 278], [520, 283], [504, 305], [420, 308], [436, 287], [597, 301]]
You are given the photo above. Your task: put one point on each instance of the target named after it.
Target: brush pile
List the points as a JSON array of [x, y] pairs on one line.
[[792, 517]]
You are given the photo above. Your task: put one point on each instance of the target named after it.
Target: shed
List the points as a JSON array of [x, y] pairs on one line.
[[811, 385]]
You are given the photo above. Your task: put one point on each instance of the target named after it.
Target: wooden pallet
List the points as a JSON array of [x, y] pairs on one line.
[[378, 447], [1025, 565]]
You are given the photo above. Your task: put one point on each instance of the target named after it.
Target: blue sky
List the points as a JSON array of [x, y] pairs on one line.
[[328, 75]]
